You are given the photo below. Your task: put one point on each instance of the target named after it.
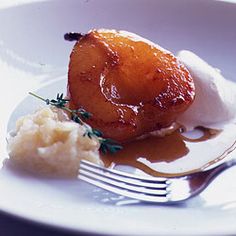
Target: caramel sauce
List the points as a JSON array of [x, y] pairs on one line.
[[165, 149]]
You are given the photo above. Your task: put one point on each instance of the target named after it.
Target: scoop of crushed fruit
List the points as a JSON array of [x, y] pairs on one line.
[[49, 143]]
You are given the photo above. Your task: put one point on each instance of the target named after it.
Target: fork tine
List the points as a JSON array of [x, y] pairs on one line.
[[120, 184], [122, 177], [124, 192], [124, 174]]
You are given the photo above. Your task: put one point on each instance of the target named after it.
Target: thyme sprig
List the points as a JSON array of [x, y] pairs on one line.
[[78, 115]]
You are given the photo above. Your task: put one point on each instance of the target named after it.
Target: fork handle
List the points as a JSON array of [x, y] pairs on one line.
[[210, 175]]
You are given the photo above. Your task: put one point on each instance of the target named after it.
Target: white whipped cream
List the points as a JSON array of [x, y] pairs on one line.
[[215, 101]]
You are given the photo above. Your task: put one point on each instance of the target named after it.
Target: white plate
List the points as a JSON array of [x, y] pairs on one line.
[[33, 55]]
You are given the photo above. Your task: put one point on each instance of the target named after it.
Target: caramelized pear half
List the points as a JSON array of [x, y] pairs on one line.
[[129, 84]]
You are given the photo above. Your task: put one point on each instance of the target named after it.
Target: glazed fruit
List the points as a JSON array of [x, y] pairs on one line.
[[129, 84]]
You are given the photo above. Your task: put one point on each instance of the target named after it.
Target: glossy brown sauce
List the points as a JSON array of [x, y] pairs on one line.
[[160, 149]]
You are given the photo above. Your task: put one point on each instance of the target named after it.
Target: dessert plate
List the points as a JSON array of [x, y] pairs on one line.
[[34, 56]]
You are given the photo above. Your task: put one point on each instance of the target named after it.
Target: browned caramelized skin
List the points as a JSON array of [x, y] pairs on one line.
[[130, 85]]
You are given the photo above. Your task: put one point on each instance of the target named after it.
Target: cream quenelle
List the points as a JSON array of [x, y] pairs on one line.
[[215, 100]]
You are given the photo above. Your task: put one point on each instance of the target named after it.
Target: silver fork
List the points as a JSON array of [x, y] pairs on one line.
[[150, 189]]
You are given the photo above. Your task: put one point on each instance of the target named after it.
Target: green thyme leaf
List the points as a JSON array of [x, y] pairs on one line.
[[106, 145]]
